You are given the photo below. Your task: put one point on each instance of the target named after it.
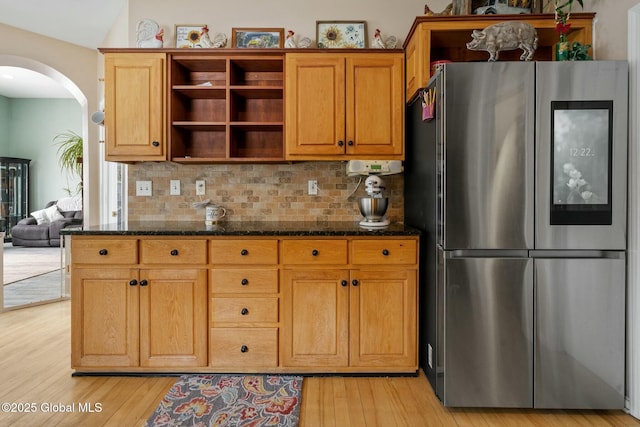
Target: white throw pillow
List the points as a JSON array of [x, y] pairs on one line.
[[53, 214], [40, 216], [67, 204]]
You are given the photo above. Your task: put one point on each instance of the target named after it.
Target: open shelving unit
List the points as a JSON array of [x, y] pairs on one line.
[[226, 108]]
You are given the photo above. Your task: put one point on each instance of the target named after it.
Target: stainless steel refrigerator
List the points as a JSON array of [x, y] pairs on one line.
[[518, 178]]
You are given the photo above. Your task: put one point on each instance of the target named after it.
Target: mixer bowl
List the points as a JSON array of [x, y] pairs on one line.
[[373, 208]]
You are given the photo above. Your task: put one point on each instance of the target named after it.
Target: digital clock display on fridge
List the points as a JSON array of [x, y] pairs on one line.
[[581, 144]]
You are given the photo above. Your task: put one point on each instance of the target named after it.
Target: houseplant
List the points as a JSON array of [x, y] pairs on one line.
[[70, 155], [562, 10]]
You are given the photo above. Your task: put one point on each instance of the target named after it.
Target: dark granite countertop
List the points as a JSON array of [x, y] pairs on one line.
[[239, 228]]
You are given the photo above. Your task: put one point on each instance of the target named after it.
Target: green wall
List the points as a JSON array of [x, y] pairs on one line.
[[4, 123], [27, 129]]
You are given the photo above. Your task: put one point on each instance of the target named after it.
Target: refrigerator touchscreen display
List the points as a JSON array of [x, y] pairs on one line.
[[581, 143]]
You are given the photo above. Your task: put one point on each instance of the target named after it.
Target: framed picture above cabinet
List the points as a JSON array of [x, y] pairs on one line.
[[341, 34]]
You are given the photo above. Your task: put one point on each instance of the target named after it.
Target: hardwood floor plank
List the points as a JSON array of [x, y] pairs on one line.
[[35, 367], [354, 402]]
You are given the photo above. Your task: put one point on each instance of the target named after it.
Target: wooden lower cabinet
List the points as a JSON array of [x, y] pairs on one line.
[[105, 318], [315, 327], [350, 319], [173, 318], [127, 317], [260, 304]]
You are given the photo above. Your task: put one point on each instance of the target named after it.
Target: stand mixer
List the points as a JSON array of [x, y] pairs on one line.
[[374, 207]]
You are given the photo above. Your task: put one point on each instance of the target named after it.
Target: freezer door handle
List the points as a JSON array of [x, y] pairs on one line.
[[486, 253], [541, 253]]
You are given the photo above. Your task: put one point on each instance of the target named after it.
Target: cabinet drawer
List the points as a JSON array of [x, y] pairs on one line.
[[241, 310], [383, 252], [245, 281], [104, 251], [173, 251], [243, 347], [244, 251], [314, 252]]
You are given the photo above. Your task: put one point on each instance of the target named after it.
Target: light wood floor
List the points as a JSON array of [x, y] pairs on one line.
[[34, 369]]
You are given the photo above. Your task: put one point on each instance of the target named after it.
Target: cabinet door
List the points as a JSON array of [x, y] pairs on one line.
[[375, 104], [315, 318], [173, 318], [383, 318], [104, 317], [134, 107], [315, 115]]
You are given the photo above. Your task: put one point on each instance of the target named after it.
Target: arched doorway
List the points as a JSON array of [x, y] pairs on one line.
[[50, 285]]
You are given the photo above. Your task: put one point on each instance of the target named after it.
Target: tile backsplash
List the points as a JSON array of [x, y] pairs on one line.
[[251, 192]]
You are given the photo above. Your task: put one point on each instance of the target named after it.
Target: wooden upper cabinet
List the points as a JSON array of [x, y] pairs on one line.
[[444, 38], [135, 107], [344, 105]]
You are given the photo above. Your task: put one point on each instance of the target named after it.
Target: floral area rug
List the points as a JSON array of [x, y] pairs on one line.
[[230, 400]]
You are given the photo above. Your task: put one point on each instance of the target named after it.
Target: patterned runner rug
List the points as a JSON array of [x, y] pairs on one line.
[[230, 400]]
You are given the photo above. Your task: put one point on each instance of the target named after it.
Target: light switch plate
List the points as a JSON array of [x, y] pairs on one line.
[[174, 188], [200, 187], [143, 188], [313, 187]]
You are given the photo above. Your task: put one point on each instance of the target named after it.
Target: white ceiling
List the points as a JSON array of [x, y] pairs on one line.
[[82, 22]]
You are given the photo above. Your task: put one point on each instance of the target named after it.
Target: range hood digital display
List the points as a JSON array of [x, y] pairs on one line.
[[581, 144]]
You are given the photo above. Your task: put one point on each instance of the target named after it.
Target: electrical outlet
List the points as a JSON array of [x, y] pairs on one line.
[[174, 189], [200, 187], [313, 187], [143, 188]]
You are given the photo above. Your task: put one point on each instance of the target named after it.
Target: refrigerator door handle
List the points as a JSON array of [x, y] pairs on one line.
[[541, 253], [486, 253]]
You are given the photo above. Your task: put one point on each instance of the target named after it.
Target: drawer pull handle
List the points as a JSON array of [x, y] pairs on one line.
[[315, 252], [344, 283], [350, 143], [354, 282], [244, 311], [340, 143], [174, 252], [385, 252], [155, 143], [103, 252], [143, 282], [244, 282], [244, 252], [244, 349], [133, 282]]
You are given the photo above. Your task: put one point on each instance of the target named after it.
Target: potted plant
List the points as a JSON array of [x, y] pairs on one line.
[[562, 10], [70, 155]]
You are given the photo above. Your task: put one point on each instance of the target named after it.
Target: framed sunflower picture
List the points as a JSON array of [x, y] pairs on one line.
[[341, 34], [188, 36]]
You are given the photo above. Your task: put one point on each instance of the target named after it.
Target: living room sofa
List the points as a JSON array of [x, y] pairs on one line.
[[42, 228]]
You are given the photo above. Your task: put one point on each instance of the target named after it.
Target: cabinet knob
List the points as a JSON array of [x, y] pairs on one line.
[[350, 143], [244, 311], [103, 252], [244, 252], [344, 283], [244, 282], [244, 349], [133, 282], [315, 252], [174, 252], [354, 282], [143, 282], [155, 143], [340, 143], [385, 252]]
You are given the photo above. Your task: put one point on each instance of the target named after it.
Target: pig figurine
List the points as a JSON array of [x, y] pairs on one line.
[[508, 35]]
